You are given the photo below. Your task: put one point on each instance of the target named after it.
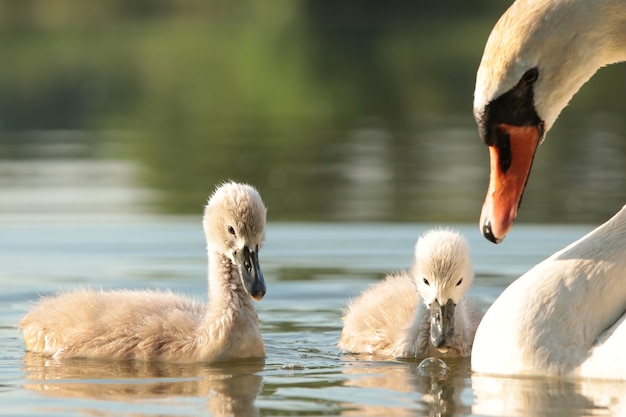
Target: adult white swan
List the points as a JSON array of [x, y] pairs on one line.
[[163, 326], [566, 315]]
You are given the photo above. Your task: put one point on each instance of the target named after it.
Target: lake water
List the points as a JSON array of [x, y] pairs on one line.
[[337, 113], [312, 270]]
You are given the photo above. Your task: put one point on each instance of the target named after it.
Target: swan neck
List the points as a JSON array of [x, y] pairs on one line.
[[231, 325], [229, 303], [576, 39], [227, 295], [615, 50]]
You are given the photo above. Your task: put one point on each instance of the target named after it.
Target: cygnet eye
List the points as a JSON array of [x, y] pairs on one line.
[[426, 281], [459, 283], [231, 230]]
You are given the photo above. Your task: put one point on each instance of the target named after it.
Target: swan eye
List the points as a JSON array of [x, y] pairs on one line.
[[531, 76], [459, 283], [426, 281], [231, 230]]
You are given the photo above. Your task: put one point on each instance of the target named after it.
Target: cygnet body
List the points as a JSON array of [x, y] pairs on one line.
[[421, 312], [160, 325]]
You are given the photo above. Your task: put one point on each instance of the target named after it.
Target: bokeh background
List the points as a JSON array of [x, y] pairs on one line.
[[336, 110]]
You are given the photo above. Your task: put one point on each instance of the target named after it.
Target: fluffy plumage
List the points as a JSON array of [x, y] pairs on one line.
[[393, 317], [160, 325]]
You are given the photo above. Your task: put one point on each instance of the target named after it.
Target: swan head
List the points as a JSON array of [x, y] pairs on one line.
[[234, 225], [442, 271], [536, 58]]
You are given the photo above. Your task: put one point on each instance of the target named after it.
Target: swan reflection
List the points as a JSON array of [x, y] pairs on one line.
[[498, 396], [228, 389], [407, 389]]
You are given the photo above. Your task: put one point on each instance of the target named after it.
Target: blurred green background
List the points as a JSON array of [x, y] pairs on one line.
[[336, 110]]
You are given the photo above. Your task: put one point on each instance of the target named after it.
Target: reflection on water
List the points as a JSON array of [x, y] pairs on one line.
[[226, 390], [71, 186], [440, 175], [365, 388], [499, 396], [337, 112], [433, 392]]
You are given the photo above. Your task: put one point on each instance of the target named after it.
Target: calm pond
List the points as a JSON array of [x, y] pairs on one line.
[[312, 270]]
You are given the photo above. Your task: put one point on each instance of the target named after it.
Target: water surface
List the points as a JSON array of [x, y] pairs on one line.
[[312, 270]]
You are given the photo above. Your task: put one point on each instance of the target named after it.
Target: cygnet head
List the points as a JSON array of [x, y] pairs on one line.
[[234, 225], [442, 270]]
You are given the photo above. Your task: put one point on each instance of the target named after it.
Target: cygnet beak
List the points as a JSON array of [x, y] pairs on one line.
[[441, 324], [248, 263]]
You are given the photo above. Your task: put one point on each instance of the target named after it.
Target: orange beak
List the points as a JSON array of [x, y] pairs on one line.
[[510, 167]]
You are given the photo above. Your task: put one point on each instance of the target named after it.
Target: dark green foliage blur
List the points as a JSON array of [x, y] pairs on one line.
[[269, 93]]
